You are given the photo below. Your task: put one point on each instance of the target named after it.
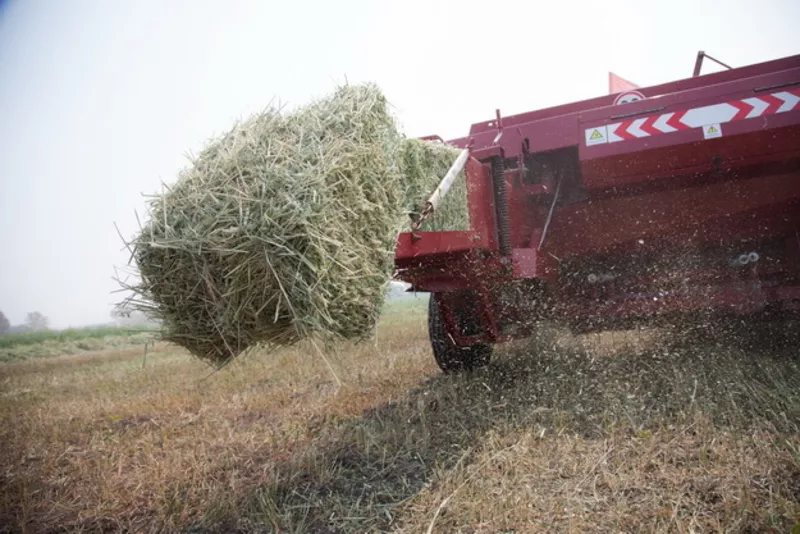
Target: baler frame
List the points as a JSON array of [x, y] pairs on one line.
[[546, 200]]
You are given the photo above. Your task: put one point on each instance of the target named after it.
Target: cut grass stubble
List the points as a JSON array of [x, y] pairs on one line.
[[597, 434]]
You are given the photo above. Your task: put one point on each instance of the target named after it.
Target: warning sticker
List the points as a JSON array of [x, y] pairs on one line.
[[628, 96], [596, 136], [711, 131]]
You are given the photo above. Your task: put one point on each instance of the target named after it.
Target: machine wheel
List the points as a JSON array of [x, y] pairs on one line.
[[450, 357]]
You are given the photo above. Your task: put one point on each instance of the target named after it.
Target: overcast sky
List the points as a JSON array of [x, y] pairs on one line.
[[100, 100]]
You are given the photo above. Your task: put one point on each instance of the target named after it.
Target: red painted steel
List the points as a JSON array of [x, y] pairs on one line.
[[618, 84], [421, 244], [555, 127], [657, 186], [681, 215]]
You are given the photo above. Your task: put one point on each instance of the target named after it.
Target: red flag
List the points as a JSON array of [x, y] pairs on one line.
[[618, 85]]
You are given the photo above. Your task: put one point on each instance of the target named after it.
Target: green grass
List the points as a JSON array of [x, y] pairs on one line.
[[404, 309], [394, 310], [48, 344], [418, 303], [70, 334]]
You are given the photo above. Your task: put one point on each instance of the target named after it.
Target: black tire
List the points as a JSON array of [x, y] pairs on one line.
[[450, 357]]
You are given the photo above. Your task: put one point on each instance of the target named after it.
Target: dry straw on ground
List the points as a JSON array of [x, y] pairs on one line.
[[284, 228], [617, 432]]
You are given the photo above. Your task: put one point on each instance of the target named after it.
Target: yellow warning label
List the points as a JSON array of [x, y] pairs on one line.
[[712, 131], [596, 136]]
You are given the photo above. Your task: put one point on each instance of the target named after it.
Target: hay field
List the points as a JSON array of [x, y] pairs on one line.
[[604, 433], [50, 343]]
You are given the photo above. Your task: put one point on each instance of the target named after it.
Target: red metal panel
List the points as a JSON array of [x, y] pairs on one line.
[[430, 243], [682, 153], [663, 89], [526, 263], [735, 89], [556, 127], [480, 197], [632, 157], [617, 84], [739, 298], [597, 226], [544, 135]]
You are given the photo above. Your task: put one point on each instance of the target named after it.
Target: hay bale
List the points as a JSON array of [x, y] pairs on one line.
[[284, 228], [424, 164]]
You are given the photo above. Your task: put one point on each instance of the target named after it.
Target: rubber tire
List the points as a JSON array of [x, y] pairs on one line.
[[450, 357]]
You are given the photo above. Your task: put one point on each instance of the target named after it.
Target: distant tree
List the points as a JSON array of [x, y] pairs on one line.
[[4, 324], [36, 321]]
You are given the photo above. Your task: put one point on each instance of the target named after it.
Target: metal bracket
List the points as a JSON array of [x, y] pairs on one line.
[[698, 64], [441, 190]]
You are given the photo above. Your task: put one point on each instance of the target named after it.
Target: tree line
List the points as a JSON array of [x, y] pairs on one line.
[[34, 321]]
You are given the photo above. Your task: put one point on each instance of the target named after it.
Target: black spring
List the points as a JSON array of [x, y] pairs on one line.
[[501, 205]]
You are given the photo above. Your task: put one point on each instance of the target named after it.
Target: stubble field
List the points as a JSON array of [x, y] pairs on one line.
[[613, 432]]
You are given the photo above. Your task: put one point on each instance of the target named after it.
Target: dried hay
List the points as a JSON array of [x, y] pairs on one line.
[[284, 228]]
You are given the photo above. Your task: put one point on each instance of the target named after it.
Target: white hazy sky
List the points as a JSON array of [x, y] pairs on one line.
[[100, 100]]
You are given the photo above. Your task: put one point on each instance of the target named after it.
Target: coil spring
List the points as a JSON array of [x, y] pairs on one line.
[[501, 205]]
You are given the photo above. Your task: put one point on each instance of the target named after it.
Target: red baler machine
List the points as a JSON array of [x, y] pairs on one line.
[[675, 200]]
